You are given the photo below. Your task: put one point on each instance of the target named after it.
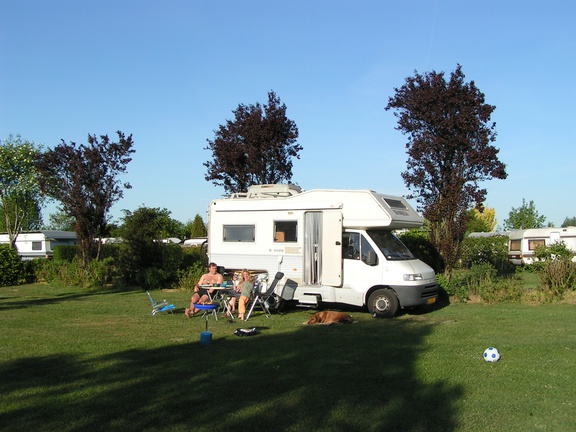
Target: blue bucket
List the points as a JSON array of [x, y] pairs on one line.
[[205, 338]]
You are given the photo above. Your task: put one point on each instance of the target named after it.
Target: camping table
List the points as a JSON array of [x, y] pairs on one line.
[[220, 294]]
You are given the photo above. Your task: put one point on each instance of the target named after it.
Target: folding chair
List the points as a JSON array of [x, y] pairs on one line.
[[161, 306], [262, 298]]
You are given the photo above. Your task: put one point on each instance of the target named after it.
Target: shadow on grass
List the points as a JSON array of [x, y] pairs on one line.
[[318, 378], [48, 300]]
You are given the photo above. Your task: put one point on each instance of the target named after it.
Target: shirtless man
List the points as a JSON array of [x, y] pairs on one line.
[[201, 294]]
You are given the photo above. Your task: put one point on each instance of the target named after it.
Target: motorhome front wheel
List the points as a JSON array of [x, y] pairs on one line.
[[383, 303]]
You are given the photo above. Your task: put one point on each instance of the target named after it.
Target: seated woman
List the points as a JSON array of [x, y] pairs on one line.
[[245, 288]]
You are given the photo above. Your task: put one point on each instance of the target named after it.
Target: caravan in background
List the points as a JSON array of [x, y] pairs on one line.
[[40, 244], [523, 243]]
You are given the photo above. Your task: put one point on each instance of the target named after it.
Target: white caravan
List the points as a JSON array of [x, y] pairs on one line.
[[333, 246], [523, 243], [40, 244]]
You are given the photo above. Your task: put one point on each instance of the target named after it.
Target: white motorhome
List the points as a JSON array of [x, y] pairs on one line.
[[334, 246], [40, 244], [523, 243]]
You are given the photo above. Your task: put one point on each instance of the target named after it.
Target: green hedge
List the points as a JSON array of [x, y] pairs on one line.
[[65, 252], [10, 266]]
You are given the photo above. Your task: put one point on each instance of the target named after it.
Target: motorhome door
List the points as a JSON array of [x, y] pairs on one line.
[[322, 248]]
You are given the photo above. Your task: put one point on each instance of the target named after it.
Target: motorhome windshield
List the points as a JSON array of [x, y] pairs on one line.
[[392, 248]]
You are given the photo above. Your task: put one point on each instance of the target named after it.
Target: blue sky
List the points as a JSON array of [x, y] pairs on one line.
[[171, 72]]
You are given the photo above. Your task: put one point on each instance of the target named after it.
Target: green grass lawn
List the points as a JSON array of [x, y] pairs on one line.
[[75, 360]]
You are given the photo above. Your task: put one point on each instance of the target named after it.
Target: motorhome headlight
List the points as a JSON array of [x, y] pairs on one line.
[[413, 277]]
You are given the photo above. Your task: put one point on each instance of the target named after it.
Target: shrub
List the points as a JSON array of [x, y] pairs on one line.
[[480, 250], [10, 266], [29, 270], [556, 277], [150, 264], [68, 273], [189, 277], [508, 289], [164, 272], [191, 255], [480, 275], [65, 252], [102, 272], [480, 280], [110, 250], [150, 278], [555, 269], [457, 286], [98, 273]]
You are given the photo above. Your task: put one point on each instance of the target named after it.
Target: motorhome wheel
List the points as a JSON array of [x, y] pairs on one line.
[[383, 303]]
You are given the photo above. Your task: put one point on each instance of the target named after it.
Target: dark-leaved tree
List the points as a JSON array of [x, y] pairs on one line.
[[84, 179], [450, 151], [256, 147]]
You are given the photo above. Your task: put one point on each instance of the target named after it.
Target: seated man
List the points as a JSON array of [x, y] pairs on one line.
[[202, 294]]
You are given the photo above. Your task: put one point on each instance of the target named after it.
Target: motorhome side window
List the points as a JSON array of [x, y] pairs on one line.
[[285, 231], [239, 233], [36, 246], [355, 246], [350, 245]]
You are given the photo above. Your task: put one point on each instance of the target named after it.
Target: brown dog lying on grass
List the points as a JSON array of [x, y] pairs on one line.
[[330, 317]]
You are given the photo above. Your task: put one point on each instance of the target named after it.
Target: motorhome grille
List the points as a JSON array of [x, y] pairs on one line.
[[393, 203]]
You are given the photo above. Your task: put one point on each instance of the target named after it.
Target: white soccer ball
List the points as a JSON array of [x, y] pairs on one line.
[[491, 355]]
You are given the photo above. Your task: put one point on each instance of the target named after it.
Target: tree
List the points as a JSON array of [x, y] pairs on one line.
[[255, 148], [569, 222], [85, 180], [60, 221], [197, 228], [524, 217], [147, 261], [481, 220], [20, 198], [28, 207], [450, 152]]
